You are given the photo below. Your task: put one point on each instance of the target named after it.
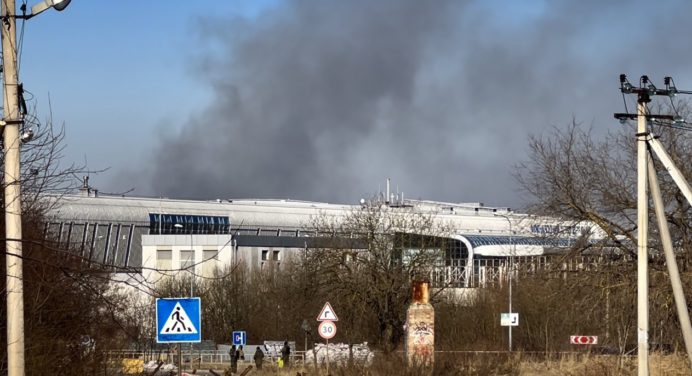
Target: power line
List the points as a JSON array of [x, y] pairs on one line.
[[644, 92]]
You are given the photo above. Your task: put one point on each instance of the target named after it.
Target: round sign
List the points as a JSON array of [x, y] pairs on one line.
[[327, 329]]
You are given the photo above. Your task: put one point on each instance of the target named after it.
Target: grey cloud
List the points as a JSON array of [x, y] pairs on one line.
[[322, 100]]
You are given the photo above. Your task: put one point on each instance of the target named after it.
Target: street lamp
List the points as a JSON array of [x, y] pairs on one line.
[[58, 5], [190, 260], [12, 121], [510, 269]]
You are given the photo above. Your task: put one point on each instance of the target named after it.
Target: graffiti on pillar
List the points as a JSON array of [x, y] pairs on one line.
[[423, 339]]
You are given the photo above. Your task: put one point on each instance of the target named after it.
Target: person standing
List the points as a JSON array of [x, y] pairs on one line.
[[259, 357], [234, 359], [286, 354], [240, 354]]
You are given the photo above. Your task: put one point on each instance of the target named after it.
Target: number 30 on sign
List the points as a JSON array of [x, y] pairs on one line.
[[327, 329]]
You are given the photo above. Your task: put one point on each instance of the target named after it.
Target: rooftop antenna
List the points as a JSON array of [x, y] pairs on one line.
[[85, 186], [386, 199]]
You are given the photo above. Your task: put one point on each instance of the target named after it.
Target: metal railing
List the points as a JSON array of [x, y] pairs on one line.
[[196, 357], [490, 272]]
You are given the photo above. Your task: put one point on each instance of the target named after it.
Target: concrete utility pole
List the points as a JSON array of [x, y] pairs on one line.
[[12, 121], [642, 239], [671, 262], [645, 140]]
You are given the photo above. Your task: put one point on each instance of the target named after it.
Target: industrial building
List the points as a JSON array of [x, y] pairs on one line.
[[157, 236]]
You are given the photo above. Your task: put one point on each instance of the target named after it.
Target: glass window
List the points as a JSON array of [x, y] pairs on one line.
[[191, 224], [211, 254], [265, 254], [164, 259], [187, 259], [276, 256], [210, 258]]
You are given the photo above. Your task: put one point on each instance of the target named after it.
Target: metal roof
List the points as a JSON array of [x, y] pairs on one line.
[[481, 240], [136, 210]]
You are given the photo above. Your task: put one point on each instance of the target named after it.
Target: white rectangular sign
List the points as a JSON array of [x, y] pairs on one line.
[[509, 319]]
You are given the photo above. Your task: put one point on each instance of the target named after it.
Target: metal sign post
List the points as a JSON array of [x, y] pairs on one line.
[[178, 320], [327, 330], [306, 329]]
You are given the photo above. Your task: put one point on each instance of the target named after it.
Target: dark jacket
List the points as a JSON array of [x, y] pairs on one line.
[[259, 355], [286, 352], [233, 354]]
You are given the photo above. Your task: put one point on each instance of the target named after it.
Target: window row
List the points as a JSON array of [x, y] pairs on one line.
[[163, 224], [187, 261]]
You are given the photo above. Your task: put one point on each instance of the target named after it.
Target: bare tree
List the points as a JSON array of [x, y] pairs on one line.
[[71, 313], [367, 260], [574, 176]]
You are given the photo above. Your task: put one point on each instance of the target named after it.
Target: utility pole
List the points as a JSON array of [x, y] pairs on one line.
[[12, 121], [671, 262], [646, 140], [642, 238]]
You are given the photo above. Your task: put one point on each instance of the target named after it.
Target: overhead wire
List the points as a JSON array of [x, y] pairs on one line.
[[143, 285], [624, 101], [684, 126], [20, 42], [166, 271], [677, 124], [28, 119]]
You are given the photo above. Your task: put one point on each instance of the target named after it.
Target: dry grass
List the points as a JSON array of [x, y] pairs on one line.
[[599, 365], [516, 364]]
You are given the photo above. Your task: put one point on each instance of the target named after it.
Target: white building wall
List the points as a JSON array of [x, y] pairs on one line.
[[249, 256], [151, 244]]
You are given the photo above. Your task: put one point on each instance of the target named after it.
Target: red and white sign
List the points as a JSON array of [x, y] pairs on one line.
[[583, 340], [327, 313], [327, 329]]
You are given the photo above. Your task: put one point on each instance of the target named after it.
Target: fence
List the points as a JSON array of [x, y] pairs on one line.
[[489, 272], [199, 358]]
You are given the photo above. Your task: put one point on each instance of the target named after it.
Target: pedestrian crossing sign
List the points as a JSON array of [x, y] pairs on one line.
[[178, 320]]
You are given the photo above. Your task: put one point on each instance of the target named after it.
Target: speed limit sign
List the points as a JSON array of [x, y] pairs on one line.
[[327, 329]]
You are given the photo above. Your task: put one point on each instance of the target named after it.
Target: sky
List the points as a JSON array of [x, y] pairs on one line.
[[323, 100]]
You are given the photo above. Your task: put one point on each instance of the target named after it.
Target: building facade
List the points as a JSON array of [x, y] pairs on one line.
[[162, 237]]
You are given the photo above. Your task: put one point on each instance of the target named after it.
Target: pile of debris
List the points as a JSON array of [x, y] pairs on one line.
[[159, 368], [339, 354]]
